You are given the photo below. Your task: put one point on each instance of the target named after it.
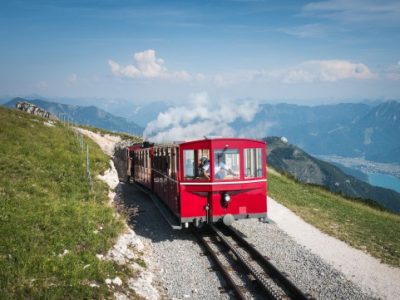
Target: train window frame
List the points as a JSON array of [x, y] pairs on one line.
[[236, 168], [193, 163], [253, 163]]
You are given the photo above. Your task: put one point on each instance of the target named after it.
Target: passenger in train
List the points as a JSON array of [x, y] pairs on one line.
[[205, 167], [221, 170]]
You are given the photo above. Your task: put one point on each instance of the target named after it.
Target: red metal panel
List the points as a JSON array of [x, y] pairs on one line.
[[193, 201], [245, 199], [189, 198]]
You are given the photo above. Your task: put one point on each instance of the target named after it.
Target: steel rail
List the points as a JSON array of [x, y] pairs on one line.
[[221, 267], [269, 289], [290, 288]]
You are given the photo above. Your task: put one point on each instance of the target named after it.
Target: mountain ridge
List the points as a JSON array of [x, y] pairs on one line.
[[292, 160], [347, 129], [85, 115]]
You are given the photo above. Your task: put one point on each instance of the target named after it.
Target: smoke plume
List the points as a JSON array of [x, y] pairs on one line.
[[200, 117]]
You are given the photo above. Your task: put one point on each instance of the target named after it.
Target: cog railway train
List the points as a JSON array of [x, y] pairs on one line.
[[204, 181]]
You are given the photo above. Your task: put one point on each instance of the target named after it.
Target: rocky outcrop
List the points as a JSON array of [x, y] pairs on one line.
[[35, 110]]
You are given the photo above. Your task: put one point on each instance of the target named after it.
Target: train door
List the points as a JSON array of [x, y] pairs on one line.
[[195, 183]]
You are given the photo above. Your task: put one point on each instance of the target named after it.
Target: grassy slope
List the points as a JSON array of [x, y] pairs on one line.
[[46, 208], [363, 227], [123, 135]]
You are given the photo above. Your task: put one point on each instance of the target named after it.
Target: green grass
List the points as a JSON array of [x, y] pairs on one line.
[[123, 135], [361, 226], [46, 207]]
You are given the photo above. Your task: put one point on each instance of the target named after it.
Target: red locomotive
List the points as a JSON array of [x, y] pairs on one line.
[[205, 181]]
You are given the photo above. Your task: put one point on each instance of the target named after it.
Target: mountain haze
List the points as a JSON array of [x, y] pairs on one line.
[[85, 115], [368, 130], [347, 129]]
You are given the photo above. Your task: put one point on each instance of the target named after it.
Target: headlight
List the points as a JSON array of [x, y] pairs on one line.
[[227, 198]]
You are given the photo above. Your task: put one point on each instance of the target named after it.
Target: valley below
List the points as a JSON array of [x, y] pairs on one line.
[[385, 175]]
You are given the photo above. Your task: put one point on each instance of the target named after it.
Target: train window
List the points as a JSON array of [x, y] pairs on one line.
[[226, 164], [253, 164], [148, 164], [193, 161]]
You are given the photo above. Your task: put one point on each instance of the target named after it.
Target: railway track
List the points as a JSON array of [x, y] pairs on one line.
[[249, 274]]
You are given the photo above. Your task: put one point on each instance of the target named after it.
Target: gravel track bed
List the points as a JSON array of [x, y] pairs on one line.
[[185, 272], [256, 267], [306, 270], [235, 269], [183, 269]]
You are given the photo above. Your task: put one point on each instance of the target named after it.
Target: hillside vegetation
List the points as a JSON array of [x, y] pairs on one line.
[[292, 160], [361, 226], [51, 224], [122, 135]]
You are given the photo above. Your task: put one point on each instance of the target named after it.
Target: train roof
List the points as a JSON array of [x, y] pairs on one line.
[[193, 142], [220, 139]]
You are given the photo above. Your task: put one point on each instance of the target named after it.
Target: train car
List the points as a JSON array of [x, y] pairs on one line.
[[205, 181]]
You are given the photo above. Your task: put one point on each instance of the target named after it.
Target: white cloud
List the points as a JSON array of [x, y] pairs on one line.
[[383, 11], [200, 77], [42, 84], [326, 71], [257, 130], [200, 117], [304, 31], [72, 78], [237, 77], [305, 72], [220, 79], [148, 66], [393, 71], [128, 71]]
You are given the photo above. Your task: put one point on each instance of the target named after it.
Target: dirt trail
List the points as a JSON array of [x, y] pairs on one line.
[[129, 248], [105, 141], [382, 280]]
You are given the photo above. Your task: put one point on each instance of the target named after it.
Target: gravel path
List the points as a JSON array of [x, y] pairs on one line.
[[308, 271], [185, 272], [183, 269], [374, 278]]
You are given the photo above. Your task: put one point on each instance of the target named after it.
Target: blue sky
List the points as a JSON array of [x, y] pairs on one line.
[[295, 51]]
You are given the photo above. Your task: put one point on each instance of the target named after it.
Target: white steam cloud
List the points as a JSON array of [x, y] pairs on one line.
[[200, 117]]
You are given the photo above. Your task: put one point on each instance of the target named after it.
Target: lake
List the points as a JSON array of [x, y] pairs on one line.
[[384, 180]]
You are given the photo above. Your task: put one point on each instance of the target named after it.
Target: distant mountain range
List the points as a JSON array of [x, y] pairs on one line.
[[85, 115], [292, 160], [143, 114], [350, 130], [370, 130]]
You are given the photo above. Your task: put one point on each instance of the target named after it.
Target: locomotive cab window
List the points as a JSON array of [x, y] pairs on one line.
[[196, 164], [226, 164], [253, 165]]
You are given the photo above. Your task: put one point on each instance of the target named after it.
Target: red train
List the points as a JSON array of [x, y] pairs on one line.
[[205, 181]]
